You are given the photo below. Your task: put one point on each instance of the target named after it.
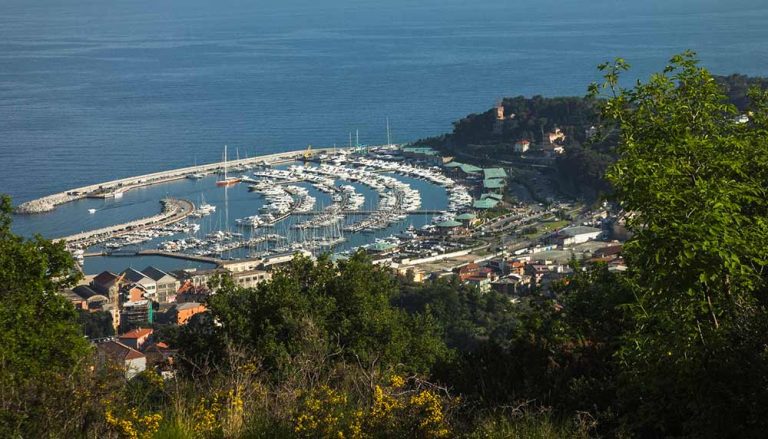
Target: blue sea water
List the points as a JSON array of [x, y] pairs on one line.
[[92, 90]]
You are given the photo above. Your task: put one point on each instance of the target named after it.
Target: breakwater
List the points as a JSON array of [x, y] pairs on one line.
[[173, 211], [116, 188]]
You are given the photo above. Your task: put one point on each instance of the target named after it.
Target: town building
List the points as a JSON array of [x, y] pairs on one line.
[[182, 312], [463, 170], [485, 204], [467, 219], [576, 235], [131, 360], [450, 227], [136, 338], [166, 284], [104, 283], [138, 313], [136, 277], [76, 301], [425, 154]]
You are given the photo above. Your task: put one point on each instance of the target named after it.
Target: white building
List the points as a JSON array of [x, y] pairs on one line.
[[577, 235]]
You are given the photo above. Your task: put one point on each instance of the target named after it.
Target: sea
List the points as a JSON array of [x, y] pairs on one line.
[[93, 90]]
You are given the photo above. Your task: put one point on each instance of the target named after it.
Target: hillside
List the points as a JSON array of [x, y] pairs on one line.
[[485, 137]]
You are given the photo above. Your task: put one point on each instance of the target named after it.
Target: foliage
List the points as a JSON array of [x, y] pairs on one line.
[[42, 341], [693, 180], [96, 324], [340, 309], [395, 410]]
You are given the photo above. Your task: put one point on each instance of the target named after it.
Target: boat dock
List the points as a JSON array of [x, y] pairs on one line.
[[370, 212], [184, 256], [173, 211]]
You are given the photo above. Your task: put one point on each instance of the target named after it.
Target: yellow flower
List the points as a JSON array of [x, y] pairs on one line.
[[397, 381]]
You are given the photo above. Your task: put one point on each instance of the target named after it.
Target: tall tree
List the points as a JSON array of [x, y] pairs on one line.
[[42, 342], [691, 179]]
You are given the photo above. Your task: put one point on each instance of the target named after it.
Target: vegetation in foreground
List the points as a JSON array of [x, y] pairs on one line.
[[673, 347]]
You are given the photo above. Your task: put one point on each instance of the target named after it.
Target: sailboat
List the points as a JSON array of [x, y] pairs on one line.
[[227, 181]]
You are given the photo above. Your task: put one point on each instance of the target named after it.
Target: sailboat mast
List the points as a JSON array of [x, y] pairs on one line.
[[225, 162]]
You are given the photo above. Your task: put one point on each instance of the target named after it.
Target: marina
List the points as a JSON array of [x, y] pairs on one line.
[[332, 201]]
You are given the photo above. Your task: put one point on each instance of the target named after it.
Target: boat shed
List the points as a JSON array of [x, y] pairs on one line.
[[490, 173], [422, 153], [467, 219], [449, 227], [494, 184], [484, 204], [497, 197], [381, 248], [464, 168]]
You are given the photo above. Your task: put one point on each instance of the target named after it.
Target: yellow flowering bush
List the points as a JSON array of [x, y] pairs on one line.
[[324, 412], [394, 411], [222, 413], [133, 426], [427, 407]]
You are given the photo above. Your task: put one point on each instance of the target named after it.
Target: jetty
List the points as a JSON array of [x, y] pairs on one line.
[[174, 210], [116, 188]]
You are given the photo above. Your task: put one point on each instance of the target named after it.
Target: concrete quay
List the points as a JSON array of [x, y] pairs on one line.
[[173, 211], [117, 187]]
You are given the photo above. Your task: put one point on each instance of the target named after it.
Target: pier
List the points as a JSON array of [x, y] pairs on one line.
[[173, 211], [116, 188], [371, 212], [184, 256]]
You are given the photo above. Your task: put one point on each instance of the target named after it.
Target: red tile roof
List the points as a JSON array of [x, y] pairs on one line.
[[119, 351], [137, 333]]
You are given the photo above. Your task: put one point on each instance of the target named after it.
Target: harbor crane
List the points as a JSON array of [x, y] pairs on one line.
[[308, 153]]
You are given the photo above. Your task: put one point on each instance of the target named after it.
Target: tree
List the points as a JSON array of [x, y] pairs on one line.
[[341, 309], [42, 343], [692, 180]]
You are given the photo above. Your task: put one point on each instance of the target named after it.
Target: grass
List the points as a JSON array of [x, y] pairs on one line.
[[529, 426], [546, 227]]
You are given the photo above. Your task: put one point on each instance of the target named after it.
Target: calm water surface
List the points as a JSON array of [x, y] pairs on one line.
[[92, 90]]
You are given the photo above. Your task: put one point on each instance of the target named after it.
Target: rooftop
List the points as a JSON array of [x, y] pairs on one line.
[[105, 278], [497, 197], [487, 203], [119, 351], [381, 246], [154, 273], [84, 291], [188, 305], [466, 216], [470, 169], [578, 230], [494, 173], [493, 183], [137, 333], [134, 275], [449, 224]]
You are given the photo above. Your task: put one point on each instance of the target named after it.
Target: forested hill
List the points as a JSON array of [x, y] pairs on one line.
[[530, 118], [580, 169]]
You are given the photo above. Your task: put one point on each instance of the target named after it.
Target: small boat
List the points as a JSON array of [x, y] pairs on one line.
[[91, 211]]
